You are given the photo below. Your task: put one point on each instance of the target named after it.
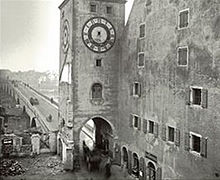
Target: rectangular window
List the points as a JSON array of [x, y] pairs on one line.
[[135, 119], [98, 62], [151, 127], [109, 10], [137, 89], [142, 31], [195, 143], [141, 59], [93, 8], [171, 132], [182, 56], [196, 140], [196, 96], [183, 18]]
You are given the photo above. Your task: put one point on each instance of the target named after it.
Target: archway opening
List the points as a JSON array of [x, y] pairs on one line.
[[96, 140], [151, 171], [135, 165], [33, 123], [97, 134], [125, 156]]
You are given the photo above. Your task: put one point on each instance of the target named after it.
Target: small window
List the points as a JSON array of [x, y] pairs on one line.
[[93, 8], [196, 141], [98, 62], [97, 91], [182, 56], [142, 30], [151, 127], [109, 10], [196, 96], [184, 19], [171, 132], [141, 59], [135, 118], [137, 89]]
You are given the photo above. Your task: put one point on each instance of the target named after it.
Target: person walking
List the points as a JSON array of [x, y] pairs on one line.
[[124, 169], [108, 168]]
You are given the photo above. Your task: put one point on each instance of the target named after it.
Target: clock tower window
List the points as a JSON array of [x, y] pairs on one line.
[[97, 91], [93, 8], [98, 62], [109, 10]]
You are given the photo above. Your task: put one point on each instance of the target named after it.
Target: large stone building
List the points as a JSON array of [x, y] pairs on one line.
[[151, 86]]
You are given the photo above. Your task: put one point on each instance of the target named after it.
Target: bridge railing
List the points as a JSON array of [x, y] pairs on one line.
[[37, 114], [44, 96]]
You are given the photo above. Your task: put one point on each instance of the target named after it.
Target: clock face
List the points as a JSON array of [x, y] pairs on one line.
[[65, 37], [98, 34]]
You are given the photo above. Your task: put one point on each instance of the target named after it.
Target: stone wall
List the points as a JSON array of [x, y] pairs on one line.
[[164, 84]]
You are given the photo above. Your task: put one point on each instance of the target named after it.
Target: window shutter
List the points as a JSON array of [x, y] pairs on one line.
[[187, 141], [129, 162], [186, 18], [139, 123], [163, 133], [181, 20], [142, 169], [131, 88], [131, 120], [156, 128], [204, 147], [204, 98], [187, 96], [177, 137], [139, 89], [159, 173], [145, 126]]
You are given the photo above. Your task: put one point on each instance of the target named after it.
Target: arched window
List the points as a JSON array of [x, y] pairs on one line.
[[135, 166], [152, 172], [125, 156], [33, 122], [96, 91]]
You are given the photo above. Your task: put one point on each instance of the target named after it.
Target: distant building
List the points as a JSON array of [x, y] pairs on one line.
[[151, 87], [4, 74]]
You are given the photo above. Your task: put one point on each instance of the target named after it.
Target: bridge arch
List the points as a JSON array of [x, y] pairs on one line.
[[33, 122]]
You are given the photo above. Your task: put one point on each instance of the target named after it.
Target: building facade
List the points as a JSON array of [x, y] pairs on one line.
[[151, 85]]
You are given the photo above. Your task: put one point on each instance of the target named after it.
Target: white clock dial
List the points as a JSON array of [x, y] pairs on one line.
[[98, 34]]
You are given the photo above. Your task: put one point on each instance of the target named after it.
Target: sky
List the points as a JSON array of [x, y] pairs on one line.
[[29, 34]]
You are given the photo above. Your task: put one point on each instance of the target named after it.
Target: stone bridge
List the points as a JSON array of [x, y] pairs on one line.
[[44, 113]]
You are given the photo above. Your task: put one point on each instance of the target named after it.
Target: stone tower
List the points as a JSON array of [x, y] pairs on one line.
[[90, 31]]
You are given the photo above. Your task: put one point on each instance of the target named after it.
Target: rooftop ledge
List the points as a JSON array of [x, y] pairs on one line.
[[112, 1]]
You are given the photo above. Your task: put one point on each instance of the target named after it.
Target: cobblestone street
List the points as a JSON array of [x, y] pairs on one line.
[[47, 166]]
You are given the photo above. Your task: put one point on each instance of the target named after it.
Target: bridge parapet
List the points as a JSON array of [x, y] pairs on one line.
[[42, 95], [31, 110]]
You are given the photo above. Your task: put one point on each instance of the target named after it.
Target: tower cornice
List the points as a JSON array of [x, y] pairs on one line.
[[113, 1]]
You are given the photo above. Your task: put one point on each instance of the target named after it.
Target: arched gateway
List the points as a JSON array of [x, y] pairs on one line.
[[97, 133]]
